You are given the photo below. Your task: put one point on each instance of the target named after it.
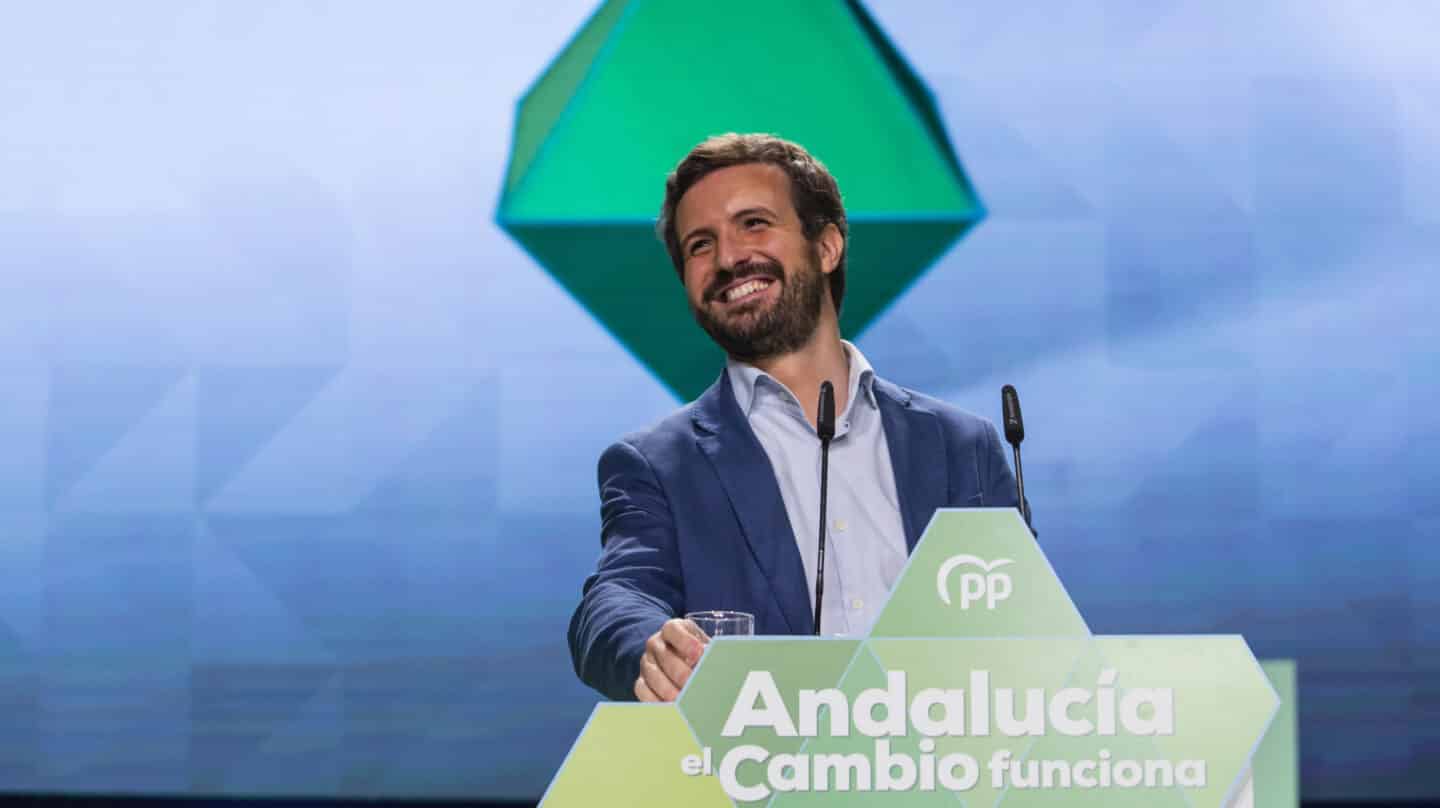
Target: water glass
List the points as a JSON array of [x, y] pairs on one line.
[[723, 623]]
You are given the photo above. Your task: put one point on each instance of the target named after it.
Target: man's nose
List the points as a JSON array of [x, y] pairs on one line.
[[731, 252]]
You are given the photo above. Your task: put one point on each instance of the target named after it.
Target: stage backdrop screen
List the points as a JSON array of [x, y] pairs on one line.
[[298, 443]]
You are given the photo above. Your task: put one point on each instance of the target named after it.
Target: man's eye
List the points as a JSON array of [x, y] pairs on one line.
[[754, 222], [697, 245]]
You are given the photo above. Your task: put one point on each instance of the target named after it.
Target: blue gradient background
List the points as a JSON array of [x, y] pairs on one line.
[[297, 447]]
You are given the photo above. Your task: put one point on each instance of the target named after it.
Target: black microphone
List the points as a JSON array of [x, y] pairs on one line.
[[825, 428], [1014, 433]]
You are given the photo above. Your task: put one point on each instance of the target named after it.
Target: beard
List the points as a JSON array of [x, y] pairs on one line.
[[751, 333]]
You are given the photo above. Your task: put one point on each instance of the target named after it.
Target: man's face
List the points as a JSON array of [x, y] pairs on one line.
[[754, 282]]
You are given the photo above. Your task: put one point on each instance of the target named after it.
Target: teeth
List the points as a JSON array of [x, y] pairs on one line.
[[745, 289]]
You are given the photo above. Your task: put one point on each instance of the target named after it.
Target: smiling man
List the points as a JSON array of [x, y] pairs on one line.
[[717, 506]]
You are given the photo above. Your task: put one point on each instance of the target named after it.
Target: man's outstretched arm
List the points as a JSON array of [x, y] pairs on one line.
[[637, 584]]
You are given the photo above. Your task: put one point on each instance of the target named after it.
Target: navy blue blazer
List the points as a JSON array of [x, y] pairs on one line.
[[692, 519]]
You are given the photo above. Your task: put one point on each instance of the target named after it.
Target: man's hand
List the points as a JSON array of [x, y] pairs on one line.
[[670, 655]]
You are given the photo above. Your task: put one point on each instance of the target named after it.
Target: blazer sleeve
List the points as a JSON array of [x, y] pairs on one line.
[[637, 582]]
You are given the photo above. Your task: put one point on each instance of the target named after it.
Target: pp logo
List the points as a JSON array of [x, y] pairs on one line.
[[987, 585]]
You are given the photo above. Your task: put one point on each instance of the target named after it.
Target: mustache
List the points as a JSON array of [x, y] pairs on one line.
[[750, 269]]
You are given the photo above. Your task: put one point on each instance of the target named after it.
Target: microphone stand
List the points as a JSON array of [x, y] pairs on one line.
[[825, 428], [1020, 484]]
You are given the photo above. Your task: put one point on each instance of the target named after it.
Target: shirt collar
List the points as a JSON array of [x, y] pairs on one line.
[[744, 377]]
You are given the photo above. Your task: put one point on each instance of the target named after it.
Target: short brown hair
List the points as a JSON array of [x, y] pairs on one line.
[[813, 190]]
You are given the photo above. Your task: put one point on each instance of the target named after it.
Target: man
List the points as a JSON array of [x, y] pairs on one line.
[[716, 507]]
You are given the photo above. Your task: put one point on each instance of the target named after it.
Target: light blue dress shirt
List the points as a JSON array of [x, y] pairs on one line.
[[865, 541]]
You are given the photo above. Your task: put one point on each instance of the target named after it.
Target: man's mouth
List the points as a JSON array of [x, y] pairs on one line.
[[745, 290]]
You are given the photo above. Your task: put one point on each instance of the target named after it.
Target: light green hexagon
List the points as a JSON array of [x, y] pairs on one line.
[[865, 672], [1223, 700], [1222, 704], [794, 662], [1120, 746], [988, 547], [1276, 764], [628, 756], [1019, 662]]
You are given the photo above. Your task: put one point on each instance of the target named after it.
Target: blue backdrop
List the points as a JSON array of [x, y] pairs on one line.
[[297, 448]]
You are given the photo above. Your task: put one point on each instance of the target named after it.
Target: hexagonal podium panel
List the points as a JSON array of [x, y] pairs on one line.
[[980, 683]]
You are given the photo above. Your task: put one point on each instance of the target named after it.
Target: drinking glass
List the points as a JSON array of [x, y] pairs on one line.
[[723, 623]]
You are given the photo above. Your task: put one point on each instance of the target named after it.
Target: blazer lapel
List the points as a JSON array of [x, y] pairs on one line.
[[725, 436], [917, 455]]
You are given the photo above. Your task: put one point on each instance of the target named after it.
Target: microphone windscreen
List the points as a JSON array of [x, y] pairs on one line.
[[1010, 408], [825, 418]]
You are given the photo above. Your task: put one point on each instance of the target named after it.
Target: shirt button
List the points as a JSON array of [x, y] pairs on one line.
[[857, 604], [840, 525]]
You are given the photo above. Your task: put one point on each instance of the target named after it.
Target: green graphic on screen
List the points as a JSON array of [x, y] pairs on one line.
[[643, 81]]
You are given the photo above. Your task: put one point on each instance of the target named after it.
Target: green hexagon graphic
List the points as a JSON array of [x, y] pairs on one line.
[[794, 663], [971, 564], [645, 80], [630, 749], [1020, 709], [1021, 662], [865, 672]]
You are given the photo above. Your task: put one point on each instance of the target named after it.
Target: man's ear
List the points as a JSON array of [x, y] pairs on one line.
[[832, 246]]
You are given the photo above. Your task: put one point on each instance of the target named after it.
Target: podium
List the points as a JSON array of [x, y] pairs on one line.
[[980, 681]]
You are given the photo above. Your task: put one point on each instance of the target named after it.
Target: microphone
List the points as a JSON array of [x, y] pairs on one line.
[[1014, 433], [825, 428]]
